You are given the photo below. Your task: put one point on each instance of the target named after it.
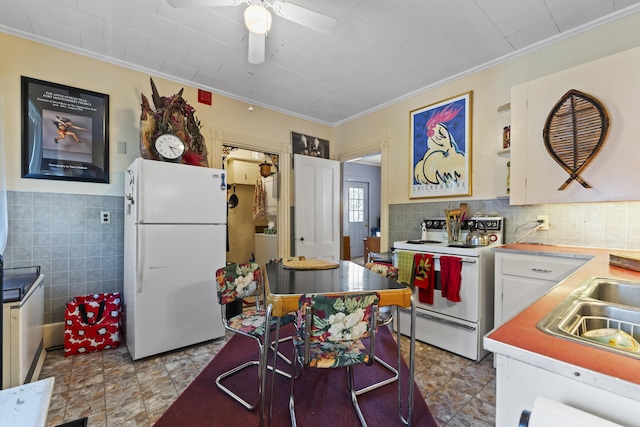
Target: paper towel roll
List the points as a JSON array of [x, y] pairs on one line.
[[549, 413]]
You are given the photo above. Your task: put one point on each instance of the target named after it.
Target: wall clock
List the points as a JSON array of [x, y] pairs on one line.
[[169, 146]]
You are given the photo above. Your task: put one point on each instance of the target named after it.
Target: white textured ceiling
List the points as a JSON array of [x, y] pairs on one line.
[[382, 50]]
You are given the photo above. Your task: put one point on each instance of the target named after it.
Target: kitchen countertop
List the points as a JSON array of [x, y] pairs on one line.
[[520, 339], [27, 404]]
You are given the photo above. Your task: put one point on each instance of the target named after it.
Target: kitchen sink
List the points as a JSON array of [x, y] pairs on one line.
[[599, 303], [614, 291]]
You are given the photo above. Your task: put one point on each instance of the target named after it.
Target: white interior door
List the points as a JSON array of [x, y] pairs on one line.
[[317, 207], [357, 215]]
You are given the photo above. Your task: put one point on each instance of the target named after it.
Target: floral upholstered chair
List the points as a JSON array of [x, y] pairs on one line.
[[330, 330], [383, 269], [240, 281]]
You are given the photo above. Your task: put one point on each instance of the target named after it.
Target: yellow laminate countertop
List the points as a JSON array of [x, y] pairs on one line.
[[521, 332]]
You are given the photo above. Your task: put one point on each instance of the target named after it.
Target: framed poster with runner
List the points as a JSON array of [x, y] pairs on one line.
[[65, 132]]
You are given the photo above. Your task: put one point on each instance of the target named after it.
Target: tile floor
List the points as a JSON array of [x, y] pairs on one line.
[[114, 391]]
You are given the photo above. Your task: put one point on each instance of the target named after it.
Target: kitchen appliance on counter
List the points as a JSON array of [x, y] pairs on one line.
[[457, 327], [175, 234], [23, 324]]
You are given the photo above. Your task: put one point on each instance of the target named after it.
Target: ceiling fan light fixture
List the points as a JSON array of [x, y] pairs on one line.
[[257, 19]]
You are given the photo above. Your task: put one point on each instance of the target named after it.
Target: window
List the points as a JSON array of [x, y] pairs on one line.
[[356, 204]]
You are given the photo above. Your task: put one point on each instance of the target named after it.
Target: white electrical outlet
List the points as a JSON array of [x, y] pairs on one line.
[[545, 222], [105, 217]]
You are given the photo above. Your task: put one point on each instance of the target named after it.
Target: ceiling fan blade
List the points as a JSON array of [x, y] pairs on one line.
[[256, 48], [307, 17], [203, 3]]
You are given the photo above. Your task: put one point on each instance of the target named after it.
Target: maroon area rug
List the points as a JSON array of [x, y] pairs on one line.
[[322, 397]]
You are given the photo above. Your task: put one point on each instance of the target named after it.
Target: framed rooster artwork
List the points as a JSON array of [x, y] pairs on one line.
[[441, 148]]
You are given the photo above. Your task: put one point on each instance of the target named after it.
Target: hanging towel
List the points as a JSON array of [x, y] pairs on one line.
[[423, 277], [258, 201], [405, 267], [451, 277]]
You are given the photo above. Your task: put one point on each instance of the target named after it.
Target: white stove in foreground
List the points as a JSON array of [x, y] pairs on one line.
[[456, 326]]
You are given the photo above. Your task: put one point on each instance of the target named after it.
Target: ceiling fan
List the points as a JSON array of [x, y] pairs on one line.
[[257, 18]]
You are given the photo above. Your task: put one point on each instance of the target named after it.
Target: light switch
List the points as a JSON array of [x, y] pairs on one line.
[[122, 147]]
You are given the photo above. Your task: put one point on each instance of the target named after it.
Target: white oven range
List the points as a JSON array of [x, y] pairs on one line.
[[457, 327]]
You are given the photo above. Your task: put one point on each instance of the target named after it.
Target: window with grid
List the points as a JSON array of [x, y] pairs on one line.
[[356, 204]]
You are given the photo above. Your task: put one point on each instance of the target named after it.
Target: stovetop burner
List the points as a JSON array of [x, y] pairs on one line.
[[423, 242]]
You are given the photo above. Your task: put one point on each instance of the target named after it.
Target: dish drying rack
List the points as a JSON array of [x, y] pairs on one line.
[[588, 323]]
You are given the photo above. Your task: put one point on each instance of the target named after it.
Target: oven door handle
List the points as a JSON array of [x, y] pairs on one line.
[[467, 260], [437, 257], [438, 319]]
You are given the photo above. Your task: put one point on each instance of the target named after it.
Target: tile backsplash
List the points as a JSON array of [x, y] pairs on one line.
[[64, 235], [601, 225]]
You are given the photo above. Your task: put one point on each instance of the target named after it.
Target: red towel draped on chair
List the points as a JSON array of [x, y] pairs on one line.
[[423, 277], [451, 277]]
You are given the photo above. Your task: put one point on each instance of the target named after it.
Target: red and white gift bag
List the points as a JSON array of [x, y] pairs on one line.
[[92, 323]]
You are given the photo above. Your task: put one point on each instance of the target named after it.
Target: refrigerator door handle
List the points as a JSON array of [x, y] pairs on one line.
[[129, 197], [138, 266]]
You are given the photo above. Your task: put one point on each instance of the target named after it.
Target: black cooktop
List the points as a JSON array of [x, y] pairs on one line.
[[17, 282]]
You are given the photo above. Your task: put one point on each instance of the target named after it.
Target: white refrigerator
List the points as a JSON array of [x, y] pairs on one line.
[[175, 240]]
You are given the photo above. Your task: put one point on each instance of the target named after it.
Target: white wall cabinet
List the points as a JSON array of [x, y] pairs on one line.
[[521, 279], [613, 173], [243, 172]]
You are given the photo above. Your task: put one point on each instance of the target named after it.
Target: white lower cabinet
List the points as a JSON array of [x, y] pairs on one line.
[[522, 278], [519, 383], [22, 337]]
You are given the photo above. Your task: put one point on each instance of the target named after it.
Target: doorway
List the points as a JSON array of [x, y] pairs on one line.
[[244, 173], [357, 214], [317, 207], [361, 200]]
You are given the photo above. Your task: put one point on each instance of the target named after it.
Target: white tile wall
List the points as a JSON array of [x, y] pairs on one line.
[[78, 255], [601, 225], [63, 234]]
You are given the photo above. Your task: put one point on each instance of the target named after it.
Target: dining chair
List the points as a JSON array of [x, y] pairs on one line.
[[385, 317], [329, 334], [239, 281]]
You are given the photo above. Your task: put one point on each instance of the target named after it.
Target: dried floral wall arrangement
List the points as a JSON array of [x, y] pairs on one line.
[[172, 115]]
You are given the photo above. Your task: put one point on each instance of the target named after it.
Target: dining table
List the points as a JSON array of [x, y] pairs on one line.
[[284, 285]]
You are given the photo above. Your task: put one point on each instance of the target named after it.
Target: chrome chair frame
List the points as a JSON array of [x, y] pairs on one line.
[[385, 317], [304, 361], [261, 363]]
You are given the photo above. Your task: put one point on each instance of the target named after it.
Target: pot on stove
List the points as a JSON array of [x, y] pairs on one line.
[[477, 237]]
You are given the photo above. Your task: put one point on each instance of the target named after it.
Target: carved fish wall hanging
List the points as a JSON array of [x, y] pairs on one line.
[[574, 132]]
